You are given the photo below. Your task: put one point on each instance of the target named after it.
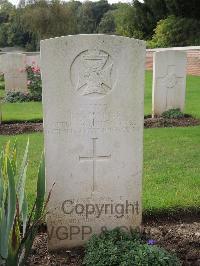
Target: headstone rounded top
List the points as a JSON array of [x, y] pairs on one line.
[[93, 36]]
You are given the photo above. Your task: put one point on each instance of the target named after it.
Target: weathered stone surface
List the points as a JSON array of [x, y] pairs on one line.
[[93, 120], [33, 59], [14, 68], [169, 81]]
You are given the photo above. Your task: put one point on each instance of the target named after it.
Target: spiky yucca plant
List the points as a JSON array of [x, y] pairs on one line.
[[18, 228]]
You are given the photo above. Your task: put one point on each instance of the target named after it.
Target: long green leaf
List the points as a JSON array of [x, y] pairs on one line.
[[11, 196], [24, 214], [14, 244], [13, 158], [41, 188], [22, 178], [3, 236], [1, 181], [39, 208]]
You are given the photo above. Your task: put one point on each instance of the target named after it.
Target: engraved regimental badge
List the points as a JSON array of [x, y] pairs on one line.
[[91, 73]]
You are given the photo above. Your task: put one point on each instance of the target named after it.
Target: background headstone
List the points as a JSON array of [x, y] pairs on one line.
[[169, 81], [93, 90], [14, 68], [33, 59]]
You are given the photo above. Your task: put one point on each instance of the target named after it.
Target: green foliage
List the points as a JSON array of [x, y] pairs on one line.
[[34, 86], [17, 96], [2, 86], [173, 113], [33, 21], [148, 13], [34, 82], [107, 24], [4, 34], [124, 21], [45, 19], [187, 9], [176, 31], [116, 247], [17, 228], [1, 77], [120, 21], [90, 15]]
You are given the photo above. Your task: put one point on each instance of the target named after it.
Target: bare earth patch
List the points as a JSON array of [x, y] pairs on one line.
[[173, 122], [182, 238], [29, 127], [20, 128]]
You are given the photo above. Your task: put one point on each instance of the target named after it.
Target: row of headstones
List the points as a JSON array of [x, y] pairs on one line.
[[93, 102], [13, 66], [169, 76]]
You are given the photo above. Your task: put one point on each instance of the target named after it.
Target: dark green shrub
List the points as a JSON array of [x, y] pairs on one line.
[[1, 77], [117, 248], [173, 113], [176, 31], [2, 86], [17, 96]]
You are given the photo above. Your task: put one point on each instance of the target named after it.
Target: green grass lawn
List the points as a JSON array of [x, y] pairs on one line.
[[1, 93], [171, 167], [171, 155], [35, 151], [33, 110], [27, 111]]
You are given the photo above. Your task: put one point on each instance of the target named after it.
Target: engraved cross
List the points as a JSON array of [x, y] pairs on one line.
[[94, 158]]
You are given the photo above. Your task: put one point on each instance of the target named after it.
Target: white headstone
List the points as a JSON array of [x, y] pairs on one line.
[[93, 120], [14, 68], [169, 81]]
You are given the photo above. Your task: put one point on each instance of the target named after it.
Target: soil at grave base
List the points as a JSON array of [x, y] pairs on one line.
[[20, 128], [180, 237], [28, 127], [173, 122]]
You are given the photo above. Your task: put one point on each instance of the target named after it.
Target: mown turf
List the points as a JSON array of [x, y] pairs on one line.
[[2, 92], [35, 151], [171, 155], [171, 167], [193, 96], [27, 111], [33, 110]]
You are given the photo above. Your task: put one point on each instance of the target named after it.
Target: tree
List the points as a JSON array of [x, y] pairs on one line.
[[176, 31], [48, 19], [90, 15], [125, 21], [148, 13], [186, 9], [5, 9], [107, 24]]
